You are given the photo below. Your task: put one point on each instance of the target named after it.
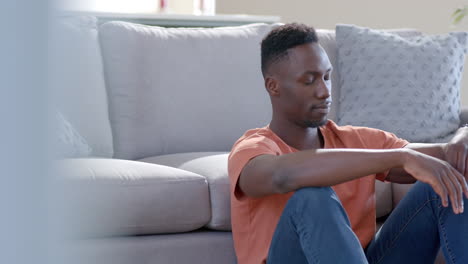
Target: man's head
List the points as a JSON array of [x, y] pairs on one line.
[[297, 73]]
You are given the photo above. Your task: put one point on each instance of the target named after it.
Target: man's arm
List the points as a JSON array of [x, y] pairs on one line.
[[455, 153], [399, 175], [270, 174]]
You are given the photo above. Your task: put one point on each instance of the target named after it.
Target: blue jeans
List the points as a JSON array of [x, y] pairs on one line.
[[314, 228]]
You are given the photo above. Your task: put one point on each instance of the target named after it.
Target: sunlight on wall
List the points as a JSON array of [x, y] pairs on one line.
[[117, 6], [126, 6], [198, 7]]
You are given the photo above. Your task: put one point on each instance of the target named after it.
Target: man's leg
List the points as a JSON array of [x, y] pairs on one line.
[[314, 228], [417, 227]]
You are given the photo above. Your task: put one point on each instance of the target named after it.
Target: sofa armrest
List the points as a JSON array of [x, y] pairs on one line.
[[464, 115]]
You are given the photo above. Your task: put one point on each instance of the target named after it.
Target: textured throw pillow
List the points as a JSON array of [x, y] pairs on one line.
[[68, 142], [408, 86], [327, 39]]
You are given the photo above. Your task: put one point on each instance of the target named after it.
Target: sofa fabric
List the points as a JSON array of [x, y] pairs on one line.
[[178, 98], [108, 197], [213, 166], [78, 81], [383, 198], [182, 90], [464, 116], [207, 247], [68, 142], [400, 85]]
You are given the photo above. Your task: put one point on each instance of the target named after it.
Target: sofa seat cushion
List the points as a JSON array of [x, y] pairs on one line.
[[213, 166], [383, 198], [104, 197], [398, 192], [207, 247]]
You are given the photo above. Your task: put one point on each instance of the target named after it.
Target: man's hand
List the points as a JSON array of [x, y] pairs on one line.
[[444, 179], [456, 151]]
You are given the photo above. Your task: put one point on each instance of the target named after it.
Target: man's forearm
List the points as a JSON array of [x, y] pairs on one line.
[[399, 175], [327, 167], [438, 150], [435, 150]]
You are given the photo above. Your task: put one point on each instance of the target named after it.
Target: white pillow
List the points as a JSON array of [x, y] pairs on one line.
[[408, 86], [78, 81]]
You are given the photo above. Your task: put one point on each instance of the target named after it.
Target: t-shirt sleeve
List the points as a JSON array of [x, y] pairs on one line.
[[379, 139], [241, 153]]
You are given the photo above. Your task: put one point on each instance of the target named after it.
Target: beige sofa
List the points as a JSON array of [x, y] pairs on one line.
[[177, 100]]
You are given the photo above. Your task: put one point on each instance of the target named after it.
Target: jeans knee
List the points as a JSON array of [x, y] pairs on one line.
[[319, 198], [318, 205], [425, 188], [314, 191]]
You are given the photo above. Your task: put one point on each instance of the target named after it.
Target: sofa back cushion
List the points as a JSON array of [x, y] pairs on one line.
[[78, 81], [175, 90]]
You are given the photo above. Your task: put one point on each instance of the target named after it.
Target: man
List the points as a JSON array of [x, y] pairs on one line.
[[302, 188]]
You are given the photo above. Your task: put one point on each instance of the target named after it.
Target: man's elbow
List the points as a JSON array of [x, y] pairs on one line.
[[282, 182]]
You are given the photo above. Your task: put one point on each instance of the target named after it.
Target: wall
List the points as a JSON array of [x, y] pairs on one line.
[[429, 16]]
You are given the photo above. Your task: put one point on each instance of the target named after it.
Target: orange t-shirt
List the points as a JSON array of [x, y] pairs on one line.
[[254, 219]]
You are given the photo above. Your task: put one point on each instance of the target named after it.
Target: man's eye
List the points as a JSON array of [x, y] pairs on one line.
[[309, 82]]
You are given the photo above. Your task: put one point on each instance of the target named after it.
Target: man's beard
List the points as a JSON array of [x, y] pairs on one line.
[[315, 124]]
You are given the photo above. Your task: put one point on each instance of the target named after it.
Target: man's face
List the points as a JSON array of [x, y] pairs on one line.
[[304, 85]]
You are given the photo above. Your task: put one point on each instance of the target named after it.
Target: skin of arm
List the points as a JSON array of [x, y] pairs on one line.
[[454, 152], [399, 175], [270, 174]]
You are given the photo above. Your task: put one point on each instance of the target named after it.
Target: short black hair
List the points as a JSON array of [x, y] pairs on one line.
[[275, 45]]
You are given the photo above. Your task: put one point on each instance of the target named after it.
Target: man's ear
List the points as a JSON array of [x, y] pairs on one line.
[[272, 86]]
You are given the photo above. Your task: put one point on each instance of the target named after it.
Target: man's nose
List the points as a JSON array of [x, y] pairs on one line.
[[323, 89]]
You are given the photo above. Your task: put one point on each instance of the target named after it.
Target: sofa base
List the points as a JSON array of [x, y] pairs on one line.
[[208, 247]]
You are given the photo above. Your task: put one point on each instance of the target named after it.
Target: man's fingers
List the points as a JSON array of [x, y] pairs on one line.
[[451, 191], [442, 191], [458, 183], [462, 181]]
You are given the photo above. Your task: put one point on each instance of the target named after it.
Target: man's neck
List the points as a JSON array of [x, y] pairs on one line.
[[298, 137]]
